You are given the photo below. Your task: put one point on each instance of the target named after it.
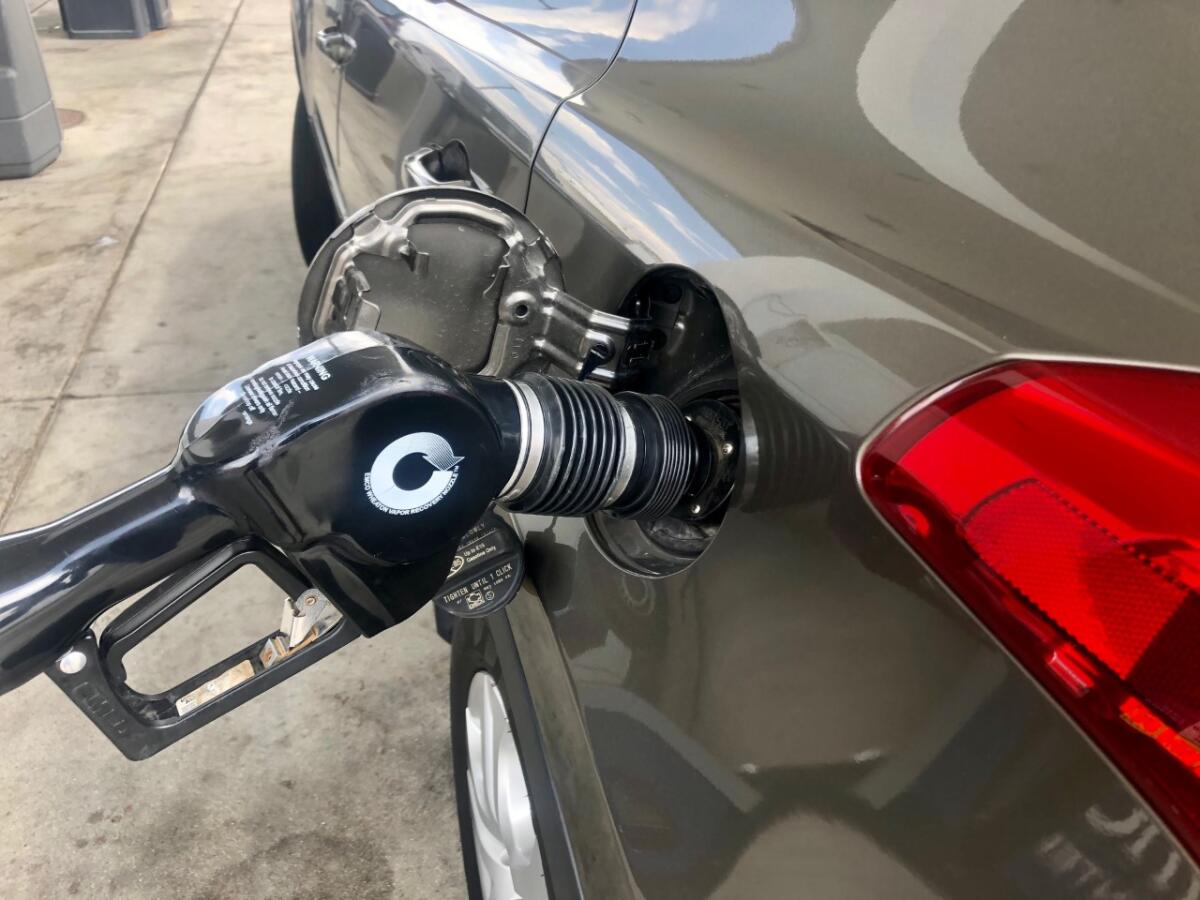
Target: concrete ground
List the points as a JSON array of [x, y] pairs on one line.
[[147, 266]]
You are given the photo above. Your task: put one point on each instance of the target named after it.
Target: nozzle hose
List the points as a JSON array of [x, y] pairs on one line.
[[584, 449]]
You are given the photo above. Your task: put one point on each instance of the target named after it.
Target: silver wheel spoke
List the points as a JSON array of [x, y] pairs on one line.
[[506, 845]]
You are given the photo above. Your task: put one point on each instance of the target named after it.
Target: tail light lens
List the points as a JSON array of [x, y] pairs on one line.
[[1061, 501]]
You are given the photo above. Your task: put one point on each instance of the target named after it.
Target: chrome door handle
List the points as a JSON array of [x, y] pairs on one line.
[[436, 166], [336, 44]]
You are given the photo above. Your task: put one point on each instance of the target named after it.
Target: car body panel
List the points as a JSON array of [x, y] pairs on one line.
[[320, 79], [488, 74], [883, 197]]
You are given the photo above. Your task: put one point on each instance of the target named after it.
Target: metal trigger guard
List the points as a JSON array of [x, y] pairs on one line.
[[93, 675]]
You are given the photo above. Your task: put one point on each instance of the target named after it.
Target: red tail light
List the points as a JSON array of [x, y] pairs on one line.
[[1061, 501]]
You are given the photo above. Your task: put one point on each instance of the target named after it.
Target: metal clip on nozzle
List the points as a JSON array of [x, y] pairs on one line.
[[356, 473]]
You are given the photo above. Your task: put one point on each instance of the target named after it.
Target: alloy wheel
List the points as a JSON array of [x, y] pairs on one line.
[[506, 843]]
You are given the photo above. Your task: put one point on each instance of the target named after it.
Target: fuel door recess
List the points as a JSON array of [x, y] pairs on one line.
[[693, 366]]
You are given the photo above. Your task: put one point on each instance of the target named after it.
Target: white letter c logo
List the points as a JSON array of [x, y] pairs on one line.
[[381, 485]]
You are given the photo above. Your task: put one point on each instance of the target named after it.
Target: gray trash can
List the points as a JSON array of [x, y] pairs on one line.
[[113, 18], [160, 13], [30, 138]]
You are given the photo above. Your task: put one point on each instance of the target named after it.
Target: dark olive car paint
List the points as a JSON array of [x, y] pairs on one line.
[[426, 73], [881, 196]]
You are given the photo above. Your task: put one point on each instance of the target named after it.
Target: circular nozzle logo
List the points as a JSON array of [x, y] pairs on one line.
[[380, 482]]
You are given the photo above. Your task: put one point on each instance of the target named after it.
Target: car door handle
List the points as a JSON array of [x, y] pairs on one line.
[[436, 166], [336, 44]]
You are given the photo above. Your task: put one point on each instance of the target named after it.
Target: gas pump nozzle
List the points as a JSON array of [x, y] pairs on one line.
[[350, 471]]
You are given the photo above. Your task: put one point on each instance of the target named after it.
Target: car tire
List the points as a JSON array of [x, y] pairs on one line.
[[312, 200], [483, 658]]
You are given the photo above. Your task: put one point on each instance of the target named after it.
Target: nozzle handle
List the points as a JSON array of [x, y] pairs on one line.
[[56, 579]]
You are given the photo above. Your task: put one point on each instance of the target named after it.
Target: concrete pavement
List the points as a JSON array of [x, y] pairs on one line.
[[154, 261]]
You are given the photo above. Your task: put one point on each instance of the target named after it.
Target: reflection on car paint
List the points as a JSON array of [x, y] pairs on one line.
[[490, 75], [1079, 859], [587, 162], [805, 655], [913, 78], [711, 30]]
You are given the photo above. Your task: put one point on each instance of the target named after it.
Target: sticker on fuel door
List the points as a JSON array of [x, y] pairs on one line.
[[486, 570]]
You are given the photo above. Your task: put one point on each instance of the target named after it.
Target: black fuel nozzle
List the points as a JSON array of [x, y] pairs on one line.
[[353, 471]]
